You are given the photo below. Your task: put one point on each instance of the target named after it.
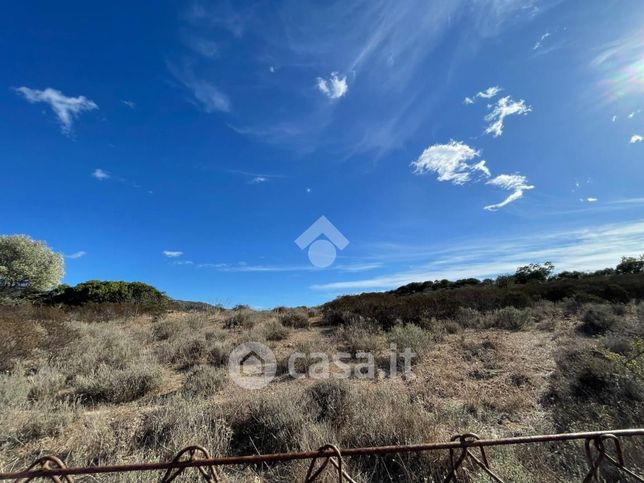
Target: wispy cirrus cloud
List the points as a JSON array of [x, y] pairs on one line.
[[503, 108], [586, 248], [379, 49], [76, 255], [255, 178], [541, 40], [516, 183], [67, 109], [204, 91], [488, 93]]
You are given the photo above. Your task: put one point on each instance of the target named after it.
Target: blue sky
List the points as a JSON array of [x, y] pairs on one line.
[[188, 144]]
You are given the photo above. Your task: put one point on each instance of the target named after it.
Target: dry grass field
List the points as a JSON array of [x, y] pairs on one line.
[[140, 388]]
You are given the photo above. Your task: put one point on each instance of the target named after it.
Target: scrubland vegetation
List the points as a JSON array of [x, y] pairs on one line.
[[118, 381]]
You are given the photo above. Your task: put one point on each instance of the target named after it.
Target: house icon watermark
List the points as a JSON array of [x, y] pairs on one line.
[[322, 251], [252, 365]]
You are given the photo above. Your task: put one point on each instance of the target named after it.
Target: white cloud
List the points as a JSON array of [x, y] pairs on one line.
[[503, 108], [540, 41], [206, 93], [259, 179], [65, 108], [636, 138], [488, 93], [100, 174], [634, 113], [514, 182], [335, 87], [76, 255], [591, 200], [614, 118], [450, 162], [183, 262], [172, 253], [129, 104]]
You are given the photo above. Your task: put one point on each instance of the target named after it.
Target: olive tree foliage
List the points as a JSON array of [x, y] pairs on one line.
[[28, 264]]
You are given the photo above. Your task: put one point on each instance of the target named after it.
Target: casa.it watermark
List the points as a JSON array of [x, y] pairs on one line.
[[253, 365]]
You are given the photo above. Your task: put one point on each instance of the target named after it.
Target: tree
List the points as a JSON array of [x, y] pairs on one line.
[[534, 272], [28, 264], [631, 265]]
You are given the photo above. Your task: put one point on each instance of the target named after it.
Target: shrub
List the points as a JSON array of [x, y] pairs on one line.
[[598, 319], [118, 385], [46, 419], [239, 319], [507, 318], [340, 317], [218, 354], [181, 422], [166, 328], [14, 389], [274, 425], [331, 400], [184, 352], [204, 381], [593, 386], [411, 336], [274, 330], [295, 320], [98, 345], [45, 384], [468, 317], [98, 292], [359, 336], [406, 423]]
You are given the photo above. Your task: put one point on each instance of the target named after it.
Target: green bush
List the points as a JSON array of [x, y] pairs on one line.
[[100, 292]]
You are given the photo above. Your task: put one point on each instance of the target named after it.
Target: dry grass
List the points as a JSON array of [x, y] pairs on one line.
[[143, 388]]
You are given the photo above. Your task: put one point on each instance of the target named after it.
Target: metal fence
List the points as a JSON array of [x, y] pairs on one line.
[[602, 448]]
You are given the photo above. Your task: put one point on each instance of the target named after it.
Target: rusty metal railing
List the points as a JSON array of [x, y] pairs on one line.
[[596, 445]]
